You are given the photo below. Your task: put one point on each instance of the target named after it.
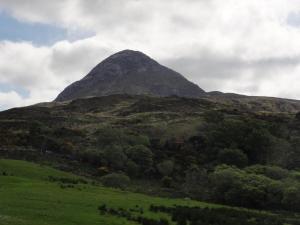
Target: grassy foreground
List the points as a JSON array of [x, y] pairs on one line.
[[28, 197]]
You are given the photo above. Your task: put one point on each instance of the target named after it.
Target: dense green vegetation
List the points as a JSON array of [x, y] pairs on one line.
[[218, 152], [35, 194], [184, 215], [32, 194]]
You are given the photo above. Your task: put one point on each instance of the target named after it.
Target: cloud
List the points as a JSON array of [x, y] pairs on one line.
[[248, 46], [10, 99], [44, 71], [232, 74]]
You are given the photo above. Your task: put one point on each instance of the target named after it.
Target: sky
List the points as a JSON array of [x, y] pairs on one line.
[[249, 47]]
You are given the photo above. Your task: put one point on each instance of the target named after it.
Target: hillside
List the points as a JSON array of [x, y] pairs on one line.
[[31, 198], [169, 146], [36, 194], [255, 103], [149, 112]]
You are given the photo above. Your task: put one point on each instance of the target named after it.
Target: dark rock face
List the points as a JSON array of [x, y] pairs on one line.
[[134, 73]]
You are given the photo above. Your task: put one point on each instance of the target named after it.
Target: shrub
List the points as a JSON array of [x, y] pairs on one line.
[[233, 157], [132, 169], [109, 135], [142, 156], [273, 172], [196, 183], [214, 116], [291, 198], [103, 170], [115, 157], [115, 180], [166, 167], [167, 181], [237, 187], [90, 156], [298, 116]]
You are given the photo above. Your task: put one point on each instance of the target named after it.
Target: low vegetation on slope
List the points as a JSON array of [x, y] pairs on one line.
[[32, 194], [170, 146]]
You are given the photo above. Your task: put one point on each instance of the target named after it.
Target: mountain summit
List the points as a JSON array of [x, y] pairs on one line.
[[134, 73]]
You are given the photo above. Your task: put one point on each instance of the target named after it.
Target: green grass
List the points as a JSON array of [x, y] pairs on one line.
[[27, 197]]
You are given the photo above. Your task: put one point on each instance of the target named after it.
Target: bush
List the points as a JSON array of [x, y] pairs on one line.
[[214, 116], [233, 157], [108, 136], [90, 156], [142, 156], [115, 180], [167, 181], [196, 183], [132, 169], [298, 116], [236, 187], [291, 198], [273, 172], [166, 167], [103, 170], [183, 215], [115, 157], [251, 136]]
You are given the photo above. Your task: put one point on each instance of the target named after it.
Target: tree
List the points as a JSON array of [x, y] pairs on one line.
[[257, 144], [233, 157], [103, 170], [141, 155], [298, 116], [115, 157], [67, 147], [294, 157], [91, 156], [214, 116], [167, 181], [132, 169], [251, 136], [273, 172], [223, 180], [236, 187], [291, 198], [108, 136], [196, 183], [137, 140], [166, 167], [115, 180]]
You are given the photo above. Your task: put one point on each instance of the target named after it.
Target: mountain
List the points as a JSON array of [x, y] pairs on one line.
[[205, 147], [134, 73]]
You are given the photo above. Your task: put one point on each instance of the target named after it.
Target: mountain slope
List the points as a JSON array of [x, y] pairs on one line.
[[134, 73], [100, 135]]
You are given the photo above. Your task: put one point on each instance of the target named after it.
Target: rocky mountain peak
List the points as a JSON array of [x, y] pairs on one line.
[[130, 72]]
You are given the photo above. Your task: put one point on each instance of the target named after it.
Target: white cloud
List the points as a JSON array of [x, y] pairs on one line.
[[44, 71], [248, 46], [10, 99]]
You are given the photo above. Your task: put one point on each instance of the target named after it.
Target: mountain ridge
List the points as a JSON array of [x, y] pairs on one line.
[[130, 72]]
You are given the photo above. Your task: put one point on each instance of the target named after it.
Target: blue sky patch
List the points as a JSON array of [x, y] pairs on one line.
[[8, 87], [39, 34], [294, 19]]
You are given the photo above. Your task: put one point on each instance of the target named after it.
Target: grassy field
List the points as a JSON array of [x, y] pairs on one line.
[[33, 194], [28, 197]]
